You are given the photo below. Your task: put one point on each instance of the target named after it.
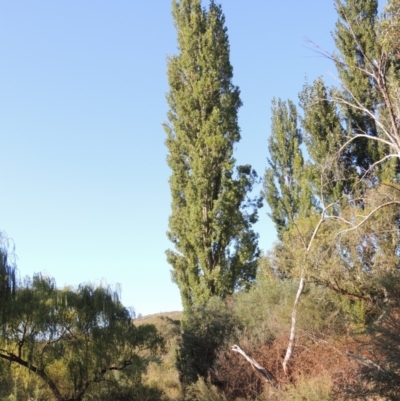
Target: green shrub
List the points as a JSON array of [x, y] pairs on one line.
[[310, 389], [204, 329], [202, 391]]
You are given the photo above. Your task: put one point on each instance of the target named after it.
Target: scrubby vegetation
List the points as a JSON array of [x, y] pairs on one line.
[[317, 317], [338, 346]]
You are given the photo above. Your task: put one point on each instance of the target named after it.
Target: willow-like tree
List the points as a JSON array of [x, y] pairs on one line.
[[7, 281], [212, 216], [73, 340]]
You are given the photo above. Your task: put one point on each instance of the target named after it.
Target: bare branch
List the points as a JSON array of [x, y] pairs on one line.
[[365, 218], [377, 163], [40, 372], [260, 371], [374, 138]]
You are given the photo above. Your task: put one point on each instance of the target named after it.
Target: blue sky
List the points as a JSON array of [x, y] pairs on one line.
[[84, 183]]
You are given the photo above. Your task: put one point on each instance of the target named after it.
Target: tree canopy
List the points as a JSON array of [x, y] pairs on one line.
[[212, 216], [73, 339]]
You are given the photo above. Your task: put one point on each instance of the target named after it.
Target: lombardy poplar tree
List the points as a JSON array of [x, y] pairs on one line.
[[286, 189], [332, 174], [212, 216], [365, 66], [356, 38]]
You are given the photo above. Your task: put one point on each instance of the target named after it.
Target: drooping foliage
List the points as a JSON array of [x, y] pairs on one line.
[[212, 217], [7, 281], [73, 340]]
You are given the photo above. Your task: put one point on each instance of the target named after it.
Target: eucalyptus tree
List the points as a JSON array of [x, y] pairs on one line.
[[353, 138], [212, 216]]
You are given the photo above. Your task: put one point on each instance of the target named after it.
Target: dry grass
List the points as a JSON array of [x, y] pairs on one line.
[[163, 374], [154, 318]]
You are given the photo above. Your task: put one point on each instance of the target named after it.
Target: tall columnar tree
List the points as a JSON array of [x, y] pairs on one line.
[[332, 173], [286, 187], [368, 68], [355, 38], [212, 216], [353, 138]]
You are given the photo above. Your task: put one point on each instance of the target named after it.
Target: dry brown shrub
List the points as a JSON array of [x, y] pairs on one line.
[[313, 357], [235, 375]]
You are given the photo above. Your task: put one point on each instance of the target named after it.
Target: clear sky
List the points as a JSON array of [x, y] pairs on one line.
[[84, 189]]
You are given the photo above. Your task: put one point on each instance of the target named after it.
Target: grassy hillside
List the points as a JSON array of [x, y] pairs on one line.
[[155, 317], [161, 373]]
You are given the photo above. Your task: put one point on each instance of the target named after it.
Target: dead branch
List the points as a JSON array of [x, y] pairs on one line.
[[363, 361], [260, 371]]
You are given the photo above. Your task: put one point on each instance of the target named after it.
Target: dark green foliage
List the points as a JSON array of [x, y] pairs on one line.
[[369, 72], [352, 139], [6, 380], [7, 282], [204, 329], [286, 188], [331, 174], [211, 220], [355, 37]]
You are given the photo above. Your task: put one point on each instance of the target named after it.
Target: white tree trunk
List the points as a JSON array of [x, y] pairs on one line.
[[292, 337]]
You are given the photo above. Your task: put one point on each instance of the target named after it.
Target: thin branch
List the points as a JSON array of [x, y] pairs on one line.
[[40, 372], [365, 219], [374, 138], [377, 163], [392, 141], [391, 185], [261, 372]]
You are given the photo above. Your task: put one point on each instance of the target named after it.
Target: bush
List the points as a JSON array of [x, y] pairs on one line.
[[379, 346], [262, 320], [204, 329], [202, 391]]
